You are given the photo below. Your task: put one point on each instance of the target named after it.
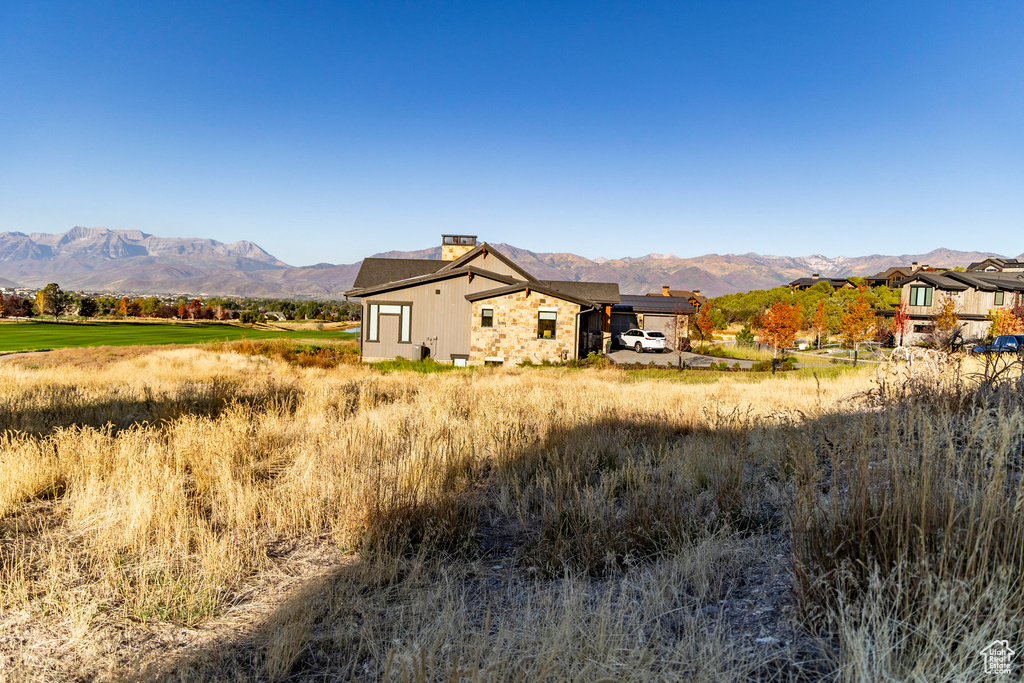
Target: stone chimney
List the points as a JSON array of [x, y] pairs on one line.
[[666, 290], [454, 246], [913, 266], [696, 292], [816, 276]]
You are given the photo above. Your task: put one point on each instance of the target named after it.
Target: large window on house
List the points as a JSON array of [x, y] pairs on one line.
[[546, 322], [401, 310], [999, 298], [921, 295], [487, 317]]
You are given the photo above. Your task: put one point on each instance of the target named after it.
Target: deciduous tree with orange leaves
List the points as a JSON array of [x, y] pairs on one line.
[[704, 326], [778, 326], [857, 324], [1003, 322]]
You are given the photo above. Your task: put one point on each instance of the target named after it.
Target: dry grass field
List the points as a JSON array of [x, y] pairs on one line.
[[205, 514]]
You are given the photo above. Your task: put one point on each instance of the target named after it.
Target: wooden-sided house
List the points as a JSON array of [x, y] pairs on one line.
[[477, 306], [974, 293]]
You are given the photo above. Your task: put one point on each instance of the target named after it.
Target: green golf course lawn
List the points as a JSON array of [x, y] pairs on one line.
[[39, 336]]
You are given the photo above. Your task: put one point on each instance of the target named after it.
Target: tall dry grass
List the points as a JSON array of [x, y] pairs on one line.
[[503, 524]]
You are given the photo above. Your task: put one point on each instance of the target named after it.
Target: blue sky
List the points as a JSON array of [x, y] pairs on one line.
[[329, 131]]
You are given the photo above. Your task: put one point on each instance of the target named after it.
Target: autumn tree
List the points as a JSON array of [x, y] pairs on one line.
[[900, 320], [947, 333], [857, 324], [819, 321], [1003, 322], [123, 306], [52, 300], [778, 326], [704, 326]]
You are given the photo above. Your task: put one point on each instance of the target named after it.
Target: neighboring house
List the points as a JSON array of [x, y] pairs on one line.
[[694, 297], [477, 306], [808, 282], [997, 265], [889, 278], [975, 294], [670, 315]]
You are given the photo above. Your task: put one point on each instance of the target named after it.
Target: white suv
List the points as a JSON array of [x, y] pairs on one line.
[[643, 340]]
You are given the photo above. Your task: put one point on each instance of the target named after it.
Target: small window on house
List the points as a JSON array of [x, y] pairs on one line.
[[546, 321], [487, 317], [999, 298], [921, 295], [437, 291]]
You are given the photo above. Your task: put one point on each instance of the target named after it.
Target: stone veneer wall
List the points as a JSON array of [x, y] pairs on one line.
[[450, 252], [514, 335]]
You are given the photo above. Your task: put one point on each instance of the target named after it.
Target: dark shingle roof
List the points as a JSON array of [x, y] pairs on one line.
[[654, 304], [379, 271], [986, 282]]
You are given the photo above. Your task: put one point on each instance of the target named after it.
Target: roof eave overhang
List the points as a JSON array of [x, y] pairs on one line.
[[504, 291], [433, 277]]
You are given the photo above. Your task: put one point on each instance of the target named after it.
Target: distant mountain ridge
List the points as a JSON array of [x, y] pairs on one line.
[[131, 261]]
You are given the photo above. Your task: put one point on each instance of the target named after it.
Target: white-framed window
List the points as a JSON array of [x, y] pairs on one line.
[[1000, 297], [404, 313]]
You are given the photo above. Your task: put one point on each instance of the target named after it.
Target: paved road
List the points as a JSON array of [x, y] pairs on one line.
[[628, 357]]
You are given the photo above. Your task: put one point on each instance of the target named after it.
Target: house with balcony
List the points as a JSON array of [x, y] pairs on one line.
[[477, 306], [974, 293]]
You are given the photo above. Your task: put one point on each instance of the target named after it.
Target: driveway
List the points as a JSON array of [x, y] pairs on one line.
[[628, 357], [694, 360]]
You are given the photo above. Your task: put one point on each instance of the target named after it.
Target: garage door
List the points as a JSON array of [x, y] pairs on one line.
[[661, 323], [621, 322]]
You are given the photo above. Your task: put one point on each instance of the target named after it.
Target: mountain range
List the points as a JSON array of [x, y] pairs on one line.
[[131, 261]]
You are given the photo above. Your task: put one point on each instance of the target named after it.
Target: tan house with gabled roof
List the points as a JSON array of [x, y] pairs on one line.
[[477, 306]]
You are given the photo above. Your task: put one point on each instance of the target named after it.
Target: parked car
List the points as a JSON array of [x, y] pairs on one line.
[[642, 340], [1004, 343]]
